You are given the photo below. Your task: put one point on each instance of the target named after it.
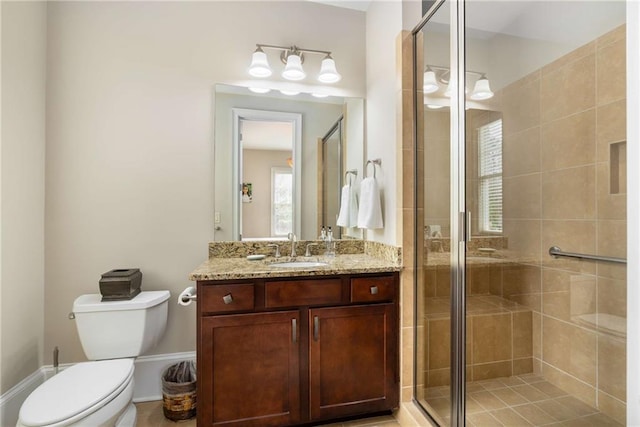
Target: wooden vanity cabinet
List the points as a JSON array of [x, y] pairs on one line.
[[352, 360], [241, 386], [290, 351]]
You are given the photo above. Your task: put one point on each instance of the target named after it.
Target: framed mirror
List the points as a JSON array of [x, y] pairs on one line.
[[269, 163]]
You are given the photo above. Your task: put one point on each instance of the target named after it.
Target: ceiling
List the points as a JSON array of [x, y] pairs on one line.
[[561, 21]]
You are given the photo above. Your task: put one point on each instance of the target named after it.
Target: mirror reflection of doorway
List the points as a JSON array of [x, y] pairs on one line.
[[266, 206]]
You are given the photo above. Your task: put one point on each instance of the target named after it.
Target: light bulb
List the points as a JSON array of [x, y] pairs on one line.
[[430, 84], [259, 64], [328, 72], [293, 70], [481, 90]]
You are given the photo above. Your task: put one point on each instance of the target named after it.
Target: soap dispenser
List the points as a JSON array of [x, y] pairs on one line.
[[330, 244]]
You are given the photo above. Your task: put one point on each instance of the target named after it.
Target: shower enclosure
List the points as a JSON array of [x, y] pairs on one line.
[[521, 113]]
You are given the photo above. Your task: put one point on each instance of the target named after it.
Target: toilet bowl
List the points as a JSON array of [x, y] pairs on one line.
[[89, 393], [100, 392]]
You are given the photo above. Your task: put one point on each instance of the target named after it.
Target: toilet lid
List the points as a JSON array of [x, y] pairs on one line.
[[75, 390]]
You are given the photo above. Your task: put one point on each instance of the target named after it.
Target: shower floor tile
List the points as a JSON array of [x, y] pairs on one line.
[[524, 400]]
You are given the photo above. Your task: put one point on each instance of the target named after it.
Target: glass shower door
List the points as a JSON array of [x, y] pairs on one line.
[[545, 167], [524, 169], [433, 291]]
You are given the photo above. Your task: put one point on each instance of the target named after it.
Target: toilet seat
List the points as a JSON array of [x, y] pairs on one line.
[[76, 392]]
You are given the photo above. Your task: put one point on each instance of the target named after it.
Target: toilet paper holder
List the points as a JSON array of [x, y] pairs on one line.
[[187, 296]]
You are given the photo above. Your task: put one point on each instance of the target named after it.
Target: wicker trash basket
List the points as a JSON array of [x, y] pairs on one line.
[[179, 391]]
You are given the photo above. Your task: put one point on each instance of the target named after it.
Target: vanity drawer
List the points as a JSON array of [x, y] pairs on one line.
[[364, 289], [302, 292], [229, 297]]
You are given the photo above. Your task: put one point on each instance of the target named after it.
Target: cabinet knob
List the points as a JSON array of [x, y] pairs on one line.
[[227, 299], [374, 290]]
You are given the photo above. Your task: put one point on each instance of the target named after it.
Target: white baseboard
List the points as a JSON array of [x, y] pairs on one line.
[[147, 384], [147, 374], [11, 401]]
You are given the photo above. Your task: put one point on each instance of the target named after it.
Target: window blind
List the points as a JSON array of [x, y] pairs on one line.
[[490, 176]]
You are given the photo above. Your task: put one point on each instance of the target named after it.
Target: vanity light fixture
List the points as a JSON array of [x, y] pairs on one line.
[[293, 58], [435, 75], [430, 84], [481, 90]]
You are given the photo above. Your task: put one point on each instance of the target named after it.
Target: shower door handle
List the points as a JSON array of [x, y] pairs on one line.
[[464, 226]]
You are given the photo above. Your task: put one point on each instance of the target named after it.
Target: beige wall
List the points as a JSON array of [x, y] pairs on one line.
[[129, 142], [559, 123], [384, 23], [22, 176]]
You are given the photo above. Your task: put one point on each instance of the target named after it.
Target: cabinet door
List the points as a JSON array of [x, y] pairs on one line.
[[248, 370], [353, 360]]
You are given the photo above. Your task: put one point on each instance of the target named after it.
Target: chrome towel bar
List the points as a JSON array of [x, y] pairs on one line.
[[557, 252]]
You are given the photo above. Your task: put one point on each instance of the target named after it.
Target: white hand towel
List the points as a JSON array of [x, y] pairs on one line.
[[348, 207], [370, 212]]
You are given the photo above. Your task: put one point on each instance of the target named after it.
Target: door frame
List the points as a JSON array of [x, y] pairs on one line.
[[240, 114]]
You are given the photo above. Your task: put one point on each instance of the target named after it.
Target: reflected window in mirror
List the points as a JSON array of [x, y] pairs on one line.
[[490, 177], [281, 201]]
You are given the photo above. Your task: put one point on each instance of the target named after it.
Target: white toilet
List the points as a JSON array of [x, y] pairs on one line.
[[99, 393]]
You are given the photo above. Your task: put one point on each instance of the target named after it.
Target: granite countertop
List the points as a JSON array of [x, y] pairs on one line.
[[242, 268]]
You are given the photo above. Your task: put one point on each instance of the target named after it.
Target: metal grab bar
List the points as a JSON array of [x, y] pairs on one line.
[[556, 252]]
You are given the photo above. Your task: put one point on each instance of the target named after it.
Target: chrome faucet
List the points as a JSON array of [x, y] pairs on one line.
[[293, 239], [308, 251], [275, 245]]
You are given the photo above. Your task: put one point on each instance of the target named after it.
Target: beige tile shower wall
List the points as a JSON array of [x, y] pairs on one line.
[[561, 188], [437, 182]]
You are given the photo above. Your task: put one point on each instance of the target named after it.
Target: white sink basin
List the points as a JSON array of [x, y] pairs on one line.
[[298, 264]]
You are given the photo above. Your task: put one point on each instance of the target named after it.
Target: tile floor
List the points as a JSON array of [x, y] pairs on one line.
[[150, 415], [524, 400]]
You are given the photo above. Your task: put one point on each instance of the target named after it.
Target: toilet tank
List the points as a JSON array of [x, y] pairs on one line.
[[119, 329]]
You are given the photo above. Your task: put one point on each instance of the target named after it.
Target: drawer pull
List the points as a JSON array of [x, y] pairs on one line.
[[294, 330], [316, 328], [227, 299], [374, 290]]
